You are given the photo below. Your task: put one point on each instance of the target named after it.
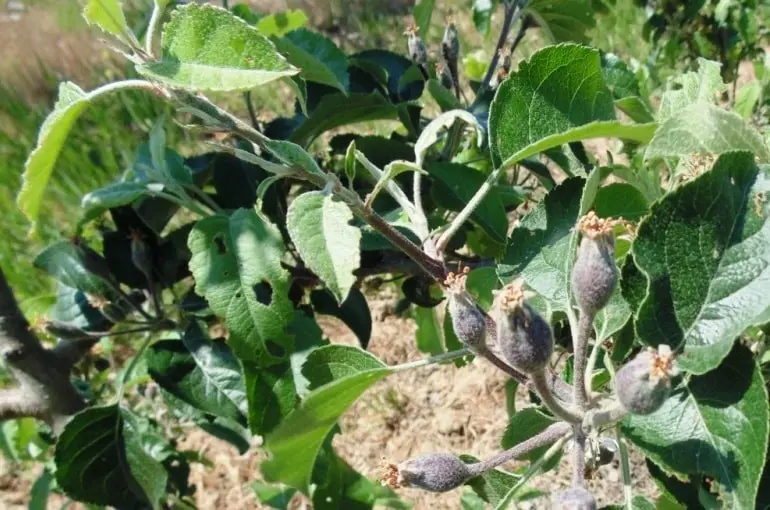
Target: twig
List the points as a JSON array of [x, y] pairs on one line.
[[580, 345], [590, 368], [579, 457], [548, 436], [447, 356], [544, 392], [154, 27], [512, 13], [250, 108]]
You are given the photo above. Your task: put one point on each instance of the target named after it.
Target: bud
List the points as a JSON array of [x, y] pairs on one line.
[[450, 44], [595, 274], [444, 76], [576, 498], [523, 336], [468, 321], [418, 53], [644, 383], [435, 472], [140, 254]]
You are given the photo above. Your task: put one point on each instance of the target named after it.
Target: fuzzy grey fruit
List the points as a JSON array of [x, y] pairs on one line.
[[595, 274], [574, 499], [435, 472], [468, 321], [523, 336], [450, 43], [643, 384], [418, 53]]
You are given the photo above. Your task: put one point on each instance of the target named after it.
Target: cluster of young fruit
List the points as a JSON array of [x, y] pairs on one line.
[[525, 341]]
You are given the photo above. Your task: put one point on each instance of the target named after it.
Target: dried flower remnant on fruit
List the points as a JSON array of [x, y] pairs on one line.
[[435, 472], [468, 321], [644, 383], [576, 498], [390, 477], [595, 274], [523, 336]]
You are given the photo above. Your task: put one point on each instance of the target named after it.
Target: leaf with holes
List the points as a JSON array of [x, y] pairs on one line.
[[236, 262], [705, 251], [208, 48], [319, 226], [100, 459]]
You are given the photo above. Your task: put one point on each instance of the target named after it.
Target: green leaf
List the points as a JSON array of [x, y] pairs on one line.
[[693, 87], [273, 496], [40, 491], [336, 110], [704, 128], [272, 395], [354, 312], [62, 262], [236, 262], [746, 99], [422, 13], [445, 98], [481, 284], [563, 20], [107, 15], [611, 319], [297, 441], [332, 362], [482, 14], [71, 102], [100, 460], [493, 485], [714, 425], [281, 23], [208, 48], [308, 337], [113, 195], [635, 108], [293, 155], [317, 57], [390, 172], [621, 200], [201, 372], [429, 334], [319, 226], [539, 248], [456, 184], [705, 250], [523, 425]]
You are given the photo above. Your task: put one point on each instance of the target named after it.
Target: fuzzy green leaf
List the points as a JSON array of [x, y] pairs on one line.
[[524, 425], [331, 362], [704, 128], [317, 57], [236, 262], [698, 86], [294, 446], [208, 48], [107, 15], [71, 102], [272, 394], [62, 261], [319, 226], [100, 459], [705, 250], [557, 89], [714, 425]]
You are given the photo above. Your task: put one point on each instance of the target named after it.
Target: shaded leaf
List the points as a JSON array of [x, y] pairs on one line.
[[563, 20], [332, 362], [422, 13], [100, 460], [354, 312], [317, 57]]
